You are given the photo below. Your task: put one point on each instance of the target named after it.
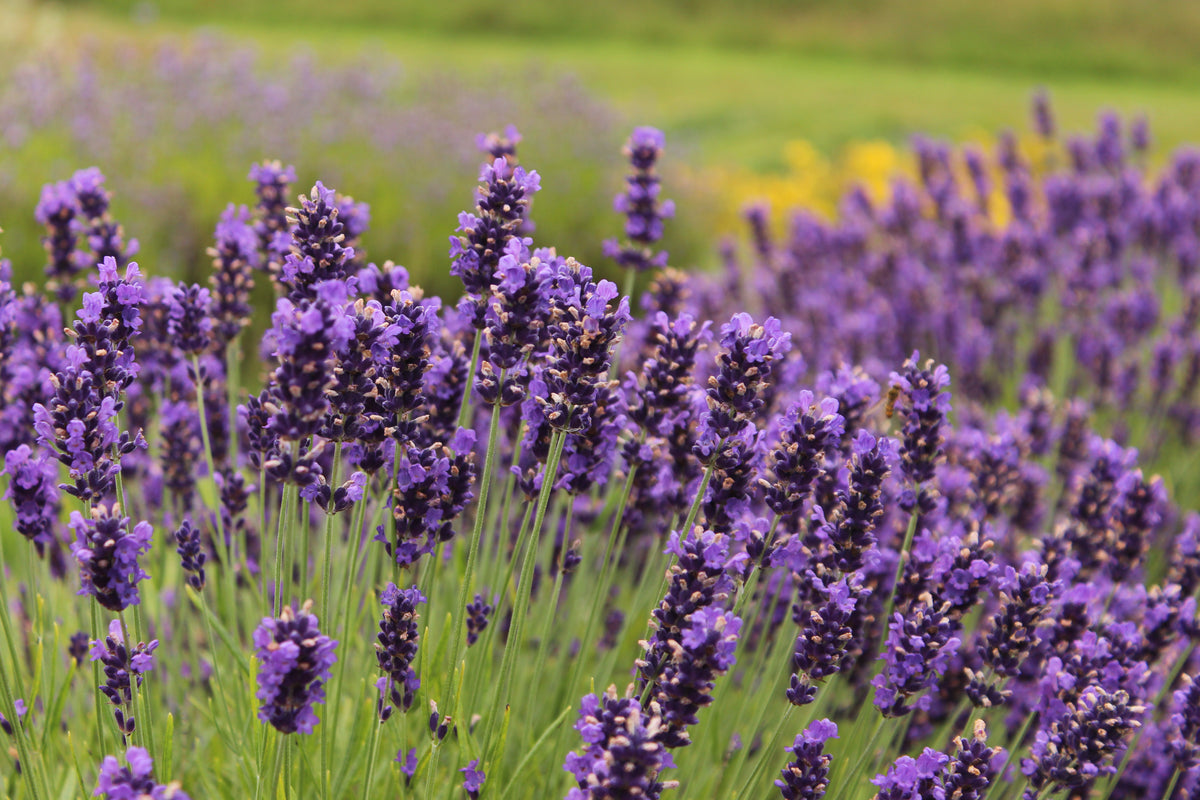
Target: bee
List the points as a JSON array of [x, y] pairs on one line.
[[889, 406]]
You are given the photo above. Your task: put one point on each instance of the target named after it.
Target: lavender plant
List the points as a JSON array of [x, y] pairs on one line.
[[639, 561]]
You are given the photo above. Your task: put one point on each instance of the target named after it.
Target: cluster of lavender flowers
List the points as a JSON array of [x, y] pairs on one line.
[[739, 519]]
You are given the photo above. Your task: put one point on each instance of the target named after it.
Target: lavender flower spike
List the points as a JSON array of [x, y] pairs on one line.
[[107, 552], [640, 204], [123, 667], [396, 648], [134, 782], [622, 756], [295, 660], [806, 776], [473, 779], [923, 405], [33, 490]]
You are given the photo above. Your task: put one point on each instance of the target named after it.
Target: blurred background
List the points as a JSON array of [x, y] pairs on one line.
[[788, 101]]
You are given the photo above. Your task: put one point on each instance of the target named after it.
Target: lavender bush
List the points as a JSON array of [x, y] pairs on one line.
[[878, 529]]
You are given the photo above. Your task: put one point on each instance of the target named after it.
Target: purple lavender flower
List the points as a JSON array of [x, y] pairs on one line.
[[307, 337], [479, 613], [808, 431], [850, 530], [972, 769], [272, 181], [824, 637], [295, 660], [1043, 117], [622, 756], [807, 773], [107, 553], [913, 778], [181, 449], [433, 486], [58, 211], [1184, 744], [923, 405], [192, 556], [658, 393], [1025, 599], [124, 668], [134, 782], [705, 651], [516, 318], [473, 779], [743, 373], [698, 579], [503, 201], [235, 254], [189, 320], [399, 637], [105, 237], [1077, 746], [317, 253], [33, 491], [640, 204], [586, 323], [407, 759], [918, 651]]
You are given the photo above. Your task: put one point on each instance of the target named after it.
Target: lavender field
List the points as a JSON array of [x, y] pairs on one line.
[[580, 496]]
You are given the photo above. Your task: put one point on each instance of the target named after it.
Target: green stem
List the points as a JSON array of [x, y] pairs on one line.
[[524, 586], [861, 759], [327, 561], [464, 410], [756, 773], [372, 757], [890, 606], [460, 609], [283, 577], [224, 545]]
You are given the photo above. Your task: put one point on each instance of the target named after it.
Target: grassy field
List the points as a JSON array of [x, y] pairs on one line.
[[826, 72]]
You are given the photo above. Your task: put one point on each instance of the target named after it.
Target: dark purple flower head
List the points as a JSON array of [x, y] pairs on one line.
[[1043, 117], [919, 647], [807, 772], [1077, 747], [743, 372], [58, 211], [640, 203], [850, 529], [704, 651], [272, 182], [1025, 597], [307, 338], [124, 668], [972, 768], [502, 204], [407, 759], [104, 236], [33, 491], [432, 487], [191, 554], [396, 648], [913, 778], [659, 393], [295, 660], [826, 634], [587, 321], [189, 318], [700, 578], [473, 779], [479, 613], [235, 254], [107, 552], [1184, 744], [317, 253], [622, 755], [923, 404], [500, 145], [134, 782], [807, 432]]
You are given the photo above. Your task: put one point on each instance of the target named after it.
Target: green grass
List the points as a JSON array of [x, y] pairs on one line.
[[828, 73], [1048, 37]]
